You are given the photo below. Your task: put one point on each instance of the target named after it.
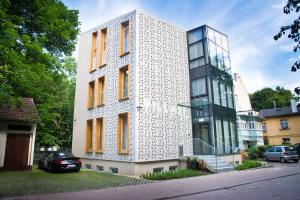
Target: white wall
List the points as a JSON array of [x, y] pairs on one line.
[[163, 83], [2, 147], [242, 100]]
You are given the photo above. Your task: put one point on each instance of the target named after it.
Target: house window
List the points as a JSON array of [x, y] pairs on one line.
[[88, 166], [283, 124], [99, 135], [124, 38], [173, 168], [264, 127], [252, 124], [123, 82], [123, 132], [91, 94], [286, 141], [89, 136], [100, 168], [101, 91], [94, 50], [103, 47], [113, 170], [199, 87]]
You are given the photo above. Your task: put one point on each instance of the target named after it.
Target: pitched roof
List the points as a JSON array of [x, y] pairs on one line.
[[26, 112], [278, 112]]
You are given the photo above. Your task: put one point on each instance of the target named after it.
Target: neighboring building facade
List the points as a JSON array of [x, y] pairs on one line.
[[137, 116], [281, 125], [249, 122], [17, 135]]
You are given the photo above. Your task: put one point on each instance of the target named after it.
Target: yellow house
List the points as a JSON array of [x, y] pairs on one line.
[[281, 125]]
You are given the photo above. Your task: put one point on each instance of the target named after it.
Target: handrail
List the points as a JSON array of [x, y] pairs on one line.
[[232, 149]]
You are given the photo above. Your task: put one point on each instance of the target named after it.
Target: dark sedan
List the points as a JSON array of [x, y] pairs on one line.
[[60, 161]]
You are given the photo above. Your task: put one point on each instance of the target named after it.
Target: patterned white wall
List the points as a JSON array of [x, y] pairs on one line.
[[163, 83], [159, 81], [112, 106]]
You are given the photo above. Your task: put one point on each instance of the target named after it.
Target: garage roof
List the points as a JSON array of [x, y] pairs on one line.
[[26, 111]]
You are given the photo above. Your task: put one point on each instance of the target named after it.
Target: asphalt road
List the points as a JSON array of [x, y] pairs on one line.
[[283, 188]]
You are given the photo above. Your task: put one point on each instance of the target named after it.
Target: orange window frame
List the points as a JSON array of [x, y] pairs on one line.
[[89, 136], [122, 72], [99, 135], [91, 94], [94, 51], [101, 98], [122, 38]]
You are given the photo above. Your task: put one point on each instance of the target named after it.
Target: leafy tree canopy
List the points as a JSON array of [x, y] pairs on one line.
[[292, 32], [36, 39], [264, 98]]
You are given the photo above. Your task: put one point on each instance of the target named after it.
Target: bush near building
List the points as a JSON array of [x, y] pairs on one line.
[[247, 164], [179, 173]]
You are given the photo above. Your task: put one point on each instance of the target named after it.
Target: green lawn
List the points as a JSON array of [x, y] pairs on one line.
[[40, 182]]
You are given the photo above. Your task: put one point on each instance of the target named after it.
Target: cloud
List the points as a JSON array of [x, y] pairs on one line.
[[287, 47]]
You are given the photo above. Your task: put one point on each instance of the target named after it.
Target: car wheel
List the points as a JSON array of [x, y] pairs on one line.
[[266, 158], [296, 161], [282, 160]]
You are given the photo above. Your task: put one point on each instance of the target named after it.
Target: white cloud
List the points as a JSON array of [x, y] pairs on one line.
[[287, 47]]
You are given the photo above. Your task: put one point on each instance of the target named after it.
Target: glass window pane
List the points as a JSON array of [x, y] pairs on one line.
[[199, 87], [226, 136], [201, 107], [90, 145], [212, 54], [126, 35], [226, 60], [219, 136], [229, 96], [197, 63], [223, 95], [124, 132], [218, 39], [196, 50], [224, 42], [216, 92], [125, 84], [220, 57], [211, 34], [195, 36], [233, 134]]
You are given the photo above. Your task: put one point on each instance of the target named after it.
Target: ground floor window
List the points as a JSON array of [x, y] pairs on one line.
[[123, 132], [286, 141]]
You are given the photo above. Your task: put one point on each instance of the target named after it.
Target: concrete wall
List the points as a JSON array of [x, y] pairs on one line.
[[129, 168], [275, 134], [2, 147]]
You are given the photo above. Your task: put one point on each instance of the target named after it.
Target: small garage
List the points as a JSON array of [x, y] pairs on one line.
[[17, 135]]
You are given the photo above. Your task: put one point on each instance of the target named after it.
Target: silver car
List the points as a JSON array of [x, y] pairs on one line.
[[281, 153]]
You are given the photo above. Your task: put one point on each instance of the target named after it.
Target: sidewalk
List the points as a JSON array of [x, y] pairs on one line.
[[177, 188]]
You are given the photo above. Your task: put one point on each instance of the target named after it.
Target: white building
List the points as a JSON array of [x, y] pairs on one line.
[[248, 121], [135, 70]]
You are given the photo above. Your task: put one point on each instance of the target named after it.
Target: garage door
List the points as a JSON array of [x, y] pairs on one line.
[[16, 152]]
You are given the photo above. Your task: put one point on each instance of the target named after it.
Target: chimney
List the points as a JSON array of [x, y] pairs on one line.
[[293, 105]]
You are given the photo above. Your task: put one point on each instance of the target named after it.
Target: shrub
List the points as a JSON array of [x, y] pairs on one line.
[[247, 164], [257, 152], [192, 163], [179, 173]]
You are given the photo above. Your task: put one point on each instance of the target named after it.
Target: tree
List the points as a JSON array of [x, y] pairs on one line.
[[292, 32], [36, 39], [265, 98]]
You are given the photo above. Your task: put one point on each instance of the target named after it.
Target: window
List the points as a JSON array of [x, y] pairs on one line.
[[173, 167], [113, 170], [216, 92], [100, 168], [223, 95], [229, 96], [123, 133], [89, 136], [99, 135], [252, 124], [94, 50], [124, 38], [211, 34], [123, 83], [103, 47], [158, 170], [286, 141], [284, 124], [88, 166], [101, 91], [199, 87], [91, 94], [195, 36], [197, 63], [196, 50], [264, 127], [278, 149]]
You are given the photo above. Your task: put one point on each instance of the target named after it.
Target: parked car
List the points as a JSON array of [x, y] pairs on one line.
[[60, 161], [281, 153], [297, 148]]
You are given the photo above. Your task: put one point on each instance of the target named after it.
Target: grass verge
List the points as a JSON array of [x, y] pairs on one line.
[[20, 183], [179, 173], [247, 164]]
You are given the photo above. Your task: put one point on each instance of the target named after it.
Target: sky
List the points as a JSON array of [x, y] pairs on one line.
[[250, 25]]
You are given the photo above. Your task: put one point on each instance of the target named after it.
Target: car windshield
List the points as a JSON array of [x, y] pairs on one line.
[[288, 148], [64, 154]]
